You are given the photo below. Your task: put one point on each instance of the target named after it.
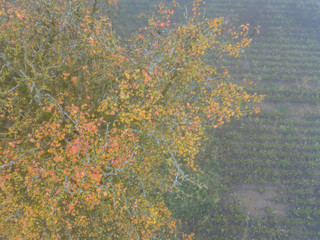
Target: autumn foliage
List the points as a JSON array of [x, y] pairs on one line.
[[95, 131]]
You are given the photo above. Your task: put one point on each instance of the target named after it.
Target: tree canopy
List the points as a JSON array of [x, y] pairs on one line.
[[94, 130]]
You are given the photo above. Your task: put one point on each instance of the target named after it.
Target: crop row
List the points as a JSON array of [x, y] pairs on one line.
[[279, 146]]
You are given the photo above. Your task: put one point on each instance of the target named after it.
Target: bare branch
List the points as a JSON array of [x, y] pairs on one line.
[[18, 158]]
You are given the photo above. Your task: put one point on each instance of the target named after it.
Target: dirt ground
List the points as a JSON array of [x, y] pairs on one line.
[[257, 200]]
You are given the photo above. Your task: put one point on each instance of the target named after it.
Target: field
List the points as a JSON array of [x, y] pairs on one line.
[[265, 169], [269, 164]]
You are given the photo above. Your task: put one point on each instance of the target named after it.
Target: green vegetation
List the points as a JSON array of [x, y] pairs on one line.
[[98, 135], [276, 154], [260, 176], [279, 148]]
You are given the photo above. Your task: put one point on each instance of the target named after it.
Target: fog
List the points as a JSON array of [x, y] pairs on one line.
[[268, 165], [258, 176]]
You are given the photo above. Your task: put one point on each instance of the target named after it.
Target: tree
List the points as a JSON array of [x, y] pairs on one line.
[[94, 131]]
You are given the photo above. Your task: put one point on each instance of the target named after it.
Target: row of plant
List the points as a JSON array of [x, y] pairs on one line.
[[280, 145]]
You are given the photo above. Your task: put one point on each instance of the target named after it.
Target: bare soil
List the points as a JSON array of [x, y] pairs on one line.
[[257, 200]]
